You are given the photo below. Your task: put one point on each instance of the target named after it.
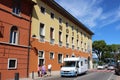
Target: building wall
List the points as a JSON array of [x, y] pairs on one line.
[[9, 50], [78, 33]]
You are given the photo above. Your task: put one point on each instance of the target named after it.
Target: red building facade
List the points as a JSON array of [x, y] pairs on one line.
[[15, 23]]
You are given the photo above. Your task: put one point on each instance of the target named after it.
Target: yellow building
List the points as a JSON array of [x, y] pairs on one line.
[[56, 34]]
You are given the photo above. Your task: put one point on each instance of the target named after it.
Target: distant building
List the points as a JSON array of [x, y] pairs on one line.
[[56, 34], [15, 18]]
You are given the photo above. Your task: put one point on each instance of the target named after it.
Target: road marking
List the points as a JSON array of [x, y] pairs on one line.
[[110, 77]]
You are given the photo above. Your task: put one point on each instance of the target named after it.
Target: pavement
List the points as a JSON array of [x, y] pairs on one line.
[[53, 75]]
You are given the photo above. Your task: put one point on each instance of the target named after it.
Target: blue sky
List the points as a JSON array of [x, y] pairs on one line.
[[101, 16]]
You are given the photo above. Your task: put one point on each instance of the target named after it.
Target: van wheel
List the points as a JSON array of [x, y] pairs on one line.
[[76, 74]]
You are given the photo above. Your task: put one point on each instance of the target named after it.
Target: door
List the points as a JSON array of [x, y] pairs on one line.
[[41, 62]]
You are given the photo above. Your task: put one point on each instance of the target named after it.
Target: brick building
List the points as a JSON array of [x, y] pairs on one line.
[[15, 23], [56, 34]]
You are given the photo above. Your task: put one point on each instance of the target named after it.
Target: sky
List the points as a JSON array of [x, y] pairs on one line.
[[102, 17]]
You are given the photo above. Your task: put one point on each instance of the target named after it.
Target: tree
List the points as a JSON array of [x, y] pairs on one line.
[[99, 48]]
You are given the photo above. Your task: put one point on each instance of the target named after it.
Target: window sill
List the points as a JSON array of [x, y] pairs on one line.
[[17, 15]]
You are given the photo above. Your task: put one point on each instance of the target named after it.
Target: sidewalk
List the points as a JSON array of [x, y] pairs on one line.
[[53, 75]]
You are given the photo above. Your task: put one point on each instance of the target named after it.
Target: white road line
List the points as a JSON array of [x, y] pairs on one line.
[[110, 77]]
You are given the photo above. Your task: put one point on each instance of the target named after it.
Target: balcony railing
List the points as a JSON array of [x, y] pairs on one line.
[[52, 41], [67, 45], [42, 38], [60, 43], [73, 46]]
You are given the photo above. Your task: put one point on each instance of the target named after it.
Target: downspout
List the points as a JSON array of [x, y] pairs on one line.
[[29, 44]]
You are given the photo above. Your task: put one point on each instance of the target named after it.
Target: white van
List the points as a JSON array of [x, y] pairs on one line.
[[74, 66]]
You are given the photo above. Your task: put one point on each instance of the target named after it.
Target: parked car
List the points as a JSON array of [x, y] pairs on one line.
[[111, 66], [117, 68], [101, 66]]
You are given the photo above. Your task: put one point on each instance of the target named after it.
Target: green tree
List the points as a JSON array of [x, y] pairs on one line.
[[99, 48]]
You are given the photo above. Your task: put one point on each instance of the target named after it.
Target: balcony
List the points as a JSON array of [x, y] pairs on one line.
[[42, 38], [60, 43], [67, 45], [73, 46], [52, 41]]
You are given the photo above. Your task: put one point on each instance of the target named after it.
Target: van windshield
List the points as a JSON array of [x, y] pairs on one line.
[[69, 64]]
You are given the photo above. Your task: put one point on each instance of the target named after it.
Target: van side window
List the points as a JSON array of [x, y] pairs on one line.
[[81, 63]]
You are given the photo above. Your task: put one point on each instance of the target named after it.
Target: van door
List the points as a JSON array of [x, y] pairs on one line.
[[79, 67], [82, 67]]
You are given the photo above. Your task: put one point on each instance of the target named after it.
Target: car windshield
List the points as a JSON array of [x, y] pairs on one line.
[[69, 64]]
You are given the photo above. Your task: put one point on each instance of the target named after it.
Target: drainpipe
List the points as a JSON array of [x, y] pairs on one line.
[[29, 34]]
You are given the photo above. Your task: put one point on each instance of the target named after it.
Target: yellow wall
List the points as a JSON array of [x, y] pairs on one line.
[[46, 47], [46, 19]]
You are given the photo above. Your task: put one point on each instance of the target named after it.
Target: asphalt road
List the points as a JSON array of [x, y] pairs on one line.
[[92, 75]]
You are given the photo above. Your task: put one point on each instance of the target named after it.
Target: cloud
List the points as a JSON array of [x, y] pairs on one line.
[[90, 12], [86, 11], [110, 17]]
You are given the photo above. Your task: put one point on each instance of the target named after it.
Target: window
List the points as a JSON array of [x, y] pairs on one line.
[[16, 7], [51, 55], [60, 36], [67, 56], [66, 24], [60, 20], [12, 63], [40, 54], [42, 10], [73, 43], [52, 15], [67, 39], [72, 40], [42, 32], [51, 33], [59, 58], [77, 42], [14, 35]]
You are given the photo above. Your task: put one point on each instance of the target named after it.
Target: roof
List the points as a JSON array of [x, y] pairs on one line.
[[65, 13]]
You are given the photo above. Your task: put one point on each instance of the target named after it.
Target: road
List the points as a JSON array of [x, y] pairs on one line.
[[92, 75]]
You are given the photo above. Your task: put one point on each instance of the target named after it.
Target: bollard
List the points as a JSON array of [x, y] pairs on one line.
[[32, 74], [16, 76]]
